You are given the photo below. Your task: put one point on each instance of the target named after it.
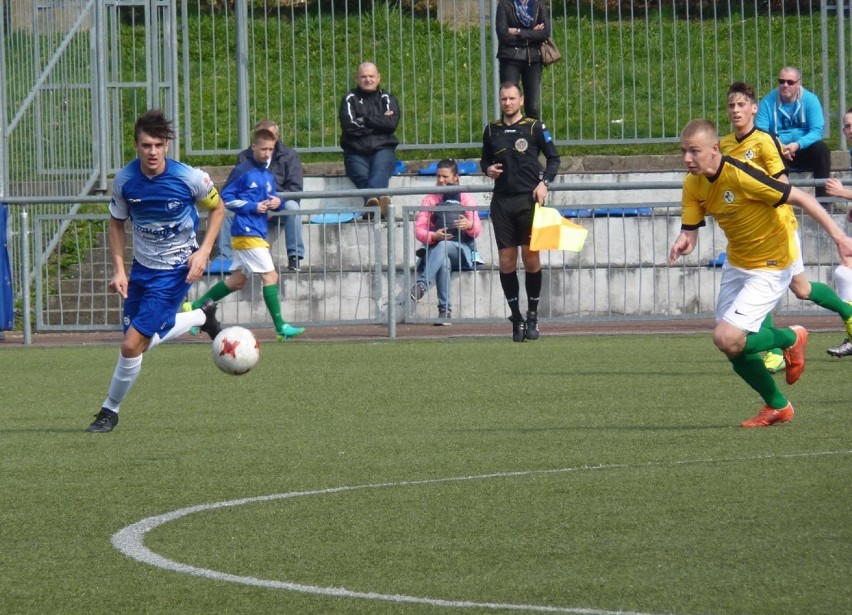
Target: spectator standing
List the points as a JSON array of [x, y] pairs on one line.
[[752, 145], [522, 25], [511, 147], [760, 256], [447, 238], [286, 166], [795, 116], [250, 194], [369, 116], [159, 196]]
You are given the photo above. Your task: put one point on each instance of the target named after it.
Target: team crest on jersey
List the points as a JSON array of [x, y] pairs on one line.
[[521, 145], [749, 155], [729, 197], [173, 204]]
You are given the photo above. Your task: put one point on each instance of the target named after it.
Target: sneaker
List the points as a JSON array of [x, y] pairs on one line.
[[445, 316], [417, 291], [384, 203], [293, 264], [288, 331], [476, 257], [769, 416], [105, 421], [187, 307], [211, 326], [519, 329], [844, 350], [795, 355], [774, 362], [532, 326]]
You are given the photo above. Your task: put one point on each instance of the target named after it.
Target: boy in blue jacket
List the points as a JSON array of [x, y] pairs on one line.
[[250, 195]]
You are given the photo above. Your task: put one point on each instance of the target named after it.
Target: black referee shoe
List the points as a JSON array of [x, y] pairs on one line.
[[519, 329], [105, 421], [532, 326]]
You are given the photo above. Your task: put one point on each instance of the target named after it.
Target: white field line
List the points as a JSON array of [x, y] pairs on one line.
[[130, 540]]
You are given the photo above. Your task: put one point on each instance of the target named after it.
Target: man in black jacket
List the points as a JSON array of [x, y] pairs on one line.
[[368, 120]]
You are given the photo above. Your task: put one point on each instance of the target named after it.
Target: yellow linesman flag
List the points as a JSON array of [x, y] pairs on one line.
[[550, 231]]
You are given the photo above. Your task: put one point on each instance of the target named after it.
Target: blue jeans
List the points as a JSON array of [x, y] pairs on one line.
[[440, 260], [293, 230], [370, 171]]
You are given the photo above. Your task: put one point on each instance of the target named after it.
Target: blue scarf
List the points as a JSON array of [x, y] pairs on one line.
[[526, 12]]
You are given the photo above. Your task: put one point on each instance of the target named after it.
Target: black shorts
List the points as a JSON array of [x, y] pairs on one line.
[[511, 218]]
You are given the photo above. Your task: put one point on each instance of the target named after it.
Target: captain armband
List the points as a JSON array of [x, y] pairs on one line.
[[211, 200]]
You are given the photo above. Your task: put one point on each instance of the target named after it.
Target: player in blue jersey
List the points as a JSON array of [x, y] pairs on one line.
[[250, 194], [159, 196]]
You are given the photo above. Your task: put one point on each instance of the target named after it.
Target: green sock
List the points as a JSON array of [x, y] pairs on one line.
[[767, 339], [273, 304], [768, 324], [749, 367], [219, 290], [823, 296]]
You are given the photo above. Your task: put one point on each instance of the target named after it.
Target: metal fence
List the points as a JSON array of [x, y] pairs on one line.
[[361, 272], [74, 75]]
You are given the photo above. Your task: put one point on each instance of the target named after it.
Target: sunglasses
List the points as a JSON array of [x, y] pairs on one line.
[[788, 81]]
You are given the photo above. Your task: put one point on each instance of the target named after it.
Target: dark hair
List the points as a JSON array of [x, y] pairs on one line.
[[262, 134], [153, 122], [449, 163], [741, 87]]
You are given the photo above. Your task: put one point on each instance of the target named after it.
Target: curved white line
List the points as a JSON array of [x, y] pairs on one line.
[[130, 540]]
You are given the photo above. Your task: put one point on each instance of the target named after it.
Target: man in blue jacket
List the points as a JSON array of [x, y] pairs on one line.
[[795, 116], [368, 121], [250, 195]]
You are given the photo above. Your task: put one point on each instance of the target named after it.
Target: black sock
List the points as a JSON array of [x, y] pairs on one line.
[[511, 287], [533, 287]]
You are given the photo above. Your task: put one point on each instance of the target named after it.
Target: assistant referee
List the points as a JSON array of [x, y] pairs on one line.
[[511, 147]]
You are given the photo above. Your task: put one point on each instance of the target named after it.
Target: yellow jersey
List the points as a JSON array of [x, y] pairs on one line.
[[761, 149], [743, 200]]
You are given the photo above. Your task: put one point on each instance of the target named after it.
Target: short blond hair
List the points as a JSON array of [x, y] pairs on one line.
[[694, 127]]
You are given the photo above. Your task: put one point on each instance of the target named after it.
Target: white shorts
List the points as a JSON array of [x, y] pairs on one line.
[[252, 260], [746, 296], [798, 265]]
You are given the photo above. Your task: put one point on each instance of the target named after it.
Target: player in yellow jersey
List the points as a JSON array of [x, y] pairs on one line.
[[761, 255], [764, 151]]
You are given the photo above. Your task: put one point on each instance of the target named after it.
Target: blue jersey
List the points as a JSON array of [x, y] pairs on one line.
[[249, 183], [163, 211]]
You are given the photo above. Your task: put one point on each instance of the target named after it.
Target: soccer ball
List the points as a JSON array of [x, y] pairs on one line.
[[235, 350]]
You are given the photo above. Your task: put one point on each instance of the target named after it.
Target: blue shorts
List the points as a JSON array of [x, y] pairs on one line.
[[154, 297]]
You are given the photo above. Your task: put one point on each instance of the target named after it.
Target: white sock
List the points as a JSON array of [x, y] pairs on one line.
[[125, 374], [843, 282], [184, 321]]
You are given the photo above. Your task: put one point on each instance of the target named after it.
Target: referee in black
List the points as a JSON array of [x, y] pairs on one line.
[[510, 156]]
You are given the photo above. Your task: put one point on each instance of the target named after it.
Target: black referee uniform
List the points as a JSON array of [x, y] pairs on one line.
[[517, 147]]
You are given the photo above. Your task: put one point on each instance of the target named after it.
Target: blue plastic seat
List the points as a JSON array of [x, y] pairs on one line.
[[719, 260], [429, 169], [219, 265], [333, 217], [400, 167], [576, 213], [622, 212]]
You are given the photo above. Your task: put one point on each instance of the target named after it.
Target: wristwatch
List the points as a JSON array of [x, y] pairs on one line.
[[546, 182]]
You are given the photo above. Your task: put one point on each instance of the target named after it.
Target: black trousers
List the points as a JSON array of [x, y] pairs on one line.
[[816, 159], [528, 76]]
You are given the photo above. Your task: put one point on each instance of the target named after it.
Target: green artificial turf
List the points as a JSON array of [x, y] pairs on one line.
[[605, 473]]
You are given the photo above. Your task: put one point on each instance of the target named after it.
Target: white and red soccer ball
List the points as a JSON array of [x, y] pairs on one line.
[[235, 350]]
